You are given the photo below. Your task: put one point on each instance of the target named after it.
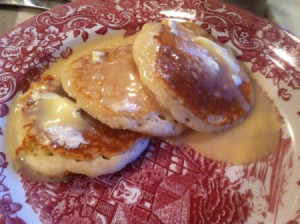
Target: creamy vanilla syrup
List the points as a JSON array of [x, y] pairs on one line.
[[57, 116], [13, 137], [15, 131], [252, 140]]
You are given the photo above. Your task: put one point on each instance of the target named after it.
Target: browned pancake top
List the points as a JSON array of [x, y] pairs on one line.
[[191, 81], [103, 141]]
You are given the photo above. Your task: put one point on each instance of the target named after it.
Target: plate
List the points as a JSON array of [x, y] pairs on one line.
[[166, 184]]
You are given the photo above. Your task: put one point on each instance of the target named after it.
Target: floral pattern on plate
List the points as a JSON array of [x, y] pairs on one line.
[[166, 184]]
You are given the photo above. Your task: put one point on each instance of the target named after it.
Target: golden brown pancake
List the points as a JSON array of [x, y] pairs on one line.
[[59, 138], [106, 85], [199, 80]]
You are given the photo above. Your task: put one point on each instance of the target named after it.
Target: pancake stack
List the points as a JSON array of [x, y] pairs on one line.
[[173, 77]]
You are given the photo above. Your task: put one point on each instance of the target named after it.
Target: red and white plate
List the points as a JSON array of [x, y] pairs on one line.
[[166, 184]]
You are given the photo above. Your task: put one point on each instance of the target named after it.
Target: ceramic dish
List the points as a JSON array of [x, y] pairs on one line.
[[166, 184]]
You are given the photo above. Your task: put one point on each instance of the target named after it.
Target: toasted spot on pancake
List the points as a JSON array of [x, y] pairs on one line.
[[57, 130], [197, 79], [106, 85]]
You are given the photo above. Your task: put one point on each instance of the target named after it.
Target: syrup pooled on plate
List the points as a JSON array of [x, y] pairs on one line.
[[252, 140]]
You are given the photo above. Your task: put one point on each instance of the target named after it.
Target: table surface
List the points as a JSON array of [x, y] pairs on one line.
[[284, 13]]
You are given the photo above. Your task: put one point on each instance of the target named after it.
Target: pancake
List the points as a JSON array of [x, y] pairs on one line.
[[107, 86], [197, 79], [59, 138]]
